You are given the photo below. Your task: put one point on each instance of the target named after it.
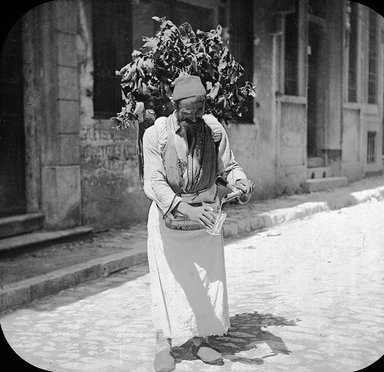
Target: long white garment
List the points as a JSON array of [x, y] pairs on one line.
[[188, 281], [187, 269]]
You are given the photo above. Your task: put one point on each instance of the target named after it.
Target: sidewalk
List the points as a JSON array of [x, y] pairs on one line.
[[48, 271]]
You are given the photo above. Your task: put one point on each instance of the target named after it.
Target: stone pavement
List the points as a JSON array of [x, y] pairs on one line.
[[305, 296], [40, 273]]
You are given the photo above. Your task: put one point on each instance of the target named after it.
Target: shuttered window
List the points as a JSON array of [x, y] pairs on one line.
[[372, 57], [371, 148], [112, 48], [353, 52]]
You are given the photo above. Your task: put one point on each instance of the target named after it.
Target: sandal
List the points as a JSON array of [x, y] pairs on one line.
[[211, 356], [164, 361]]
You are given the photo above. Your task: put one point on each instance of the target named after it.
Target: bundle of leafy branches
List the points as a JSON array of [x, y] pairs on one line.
[[175, 51]]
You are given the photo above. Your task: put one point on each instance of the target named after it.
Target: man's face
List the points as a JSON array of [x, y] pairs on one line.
[[190, 110]]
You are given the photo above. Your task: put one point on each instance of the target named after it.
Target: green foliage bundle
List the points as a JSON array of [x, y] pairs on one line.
[[175, 51]]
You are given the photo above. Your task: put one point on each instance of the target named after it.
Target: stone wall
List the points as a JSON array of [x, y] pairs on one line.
[[112, 195], [361, 117]]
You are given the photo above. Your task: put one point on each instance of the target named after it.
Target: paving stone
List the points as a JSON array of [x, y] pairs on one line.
[[315, 316]]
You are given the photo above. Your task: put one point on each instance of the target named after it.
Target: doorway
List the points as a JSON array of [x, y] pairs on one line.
[[317, 59], [12, 139]]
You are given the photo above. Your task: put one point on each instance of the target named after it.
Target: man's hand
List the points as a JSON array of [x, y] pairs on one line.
[[203, 214], [245, 185]]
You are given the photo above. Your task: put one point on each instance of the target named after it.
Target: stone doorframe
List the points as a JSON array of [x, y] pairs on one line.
[[52, 114]]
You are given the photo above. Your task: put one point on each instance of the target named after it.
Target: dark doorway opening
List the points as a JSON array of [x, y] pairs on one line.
[[12, 139]]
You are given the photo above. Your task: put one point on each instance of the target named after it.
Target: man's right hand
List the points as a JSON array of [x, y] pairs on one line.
[[203, 214]]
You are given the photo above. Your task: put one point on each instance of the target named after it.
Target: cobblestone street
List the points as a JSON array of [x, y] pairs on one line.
[[304, 296]]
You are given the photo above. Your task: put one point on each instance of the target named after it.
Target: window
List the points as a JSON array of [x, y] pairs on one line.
[[353, 55], [317, 7], [371, 139], [372, 57], [199, 18], [222, 16], [112, 48], [236, 15], [241, 45], [178, 12], [290, 30]]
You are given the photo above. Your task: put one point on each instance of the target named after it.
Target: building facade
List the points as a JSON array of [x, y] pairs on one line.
[[317, 65]]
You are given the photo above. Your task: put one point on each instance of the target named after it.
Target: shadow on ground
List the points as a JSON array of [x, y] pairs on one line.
[[247, 332]]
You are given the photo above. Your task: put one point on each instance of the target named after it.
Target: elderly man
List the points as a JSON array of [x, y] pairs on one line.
[[183, 156]]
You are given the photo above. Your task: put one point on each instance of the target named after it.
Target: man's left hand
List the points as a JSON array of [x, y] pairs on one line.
[[245, 185]]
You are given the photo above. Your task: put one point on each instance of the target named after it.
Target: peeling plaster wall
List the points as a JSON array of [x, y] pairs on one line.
[[112, 195], [254, 144], [271, 150]]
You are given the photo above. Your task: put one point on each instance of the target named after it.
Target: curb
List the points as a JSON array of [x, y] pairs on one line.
[[21, 293], [24, 292], [234, 227]]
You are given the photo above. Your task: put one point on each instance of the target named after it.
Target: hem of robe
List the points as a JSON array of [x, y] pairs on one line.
[[188, 281]]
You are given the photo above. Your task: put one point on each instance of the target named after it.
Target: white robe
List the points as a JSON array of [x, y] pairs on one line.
[[187, 268]]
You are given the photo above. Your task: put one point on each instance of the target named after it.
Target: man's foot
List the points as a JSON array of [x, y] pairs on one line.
[[206, 353], [164, 361]]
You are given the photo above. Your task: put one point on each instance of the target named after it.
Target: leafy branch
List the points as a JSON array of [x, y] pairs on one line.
[[175, 51]]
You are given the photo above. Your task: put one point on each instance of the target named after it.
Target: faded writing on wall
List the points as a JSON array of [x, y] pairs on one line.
[[96, 135], [108, 149]]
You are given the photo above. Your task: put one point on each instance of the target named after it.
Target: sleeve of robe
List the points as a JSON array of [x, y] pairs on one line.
[[155, 185]]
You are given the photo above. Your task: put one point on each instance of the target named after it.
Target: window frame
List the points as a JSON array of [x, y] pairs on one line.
[[358, 46], [371, 157], [377, 61], [301, 10]]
